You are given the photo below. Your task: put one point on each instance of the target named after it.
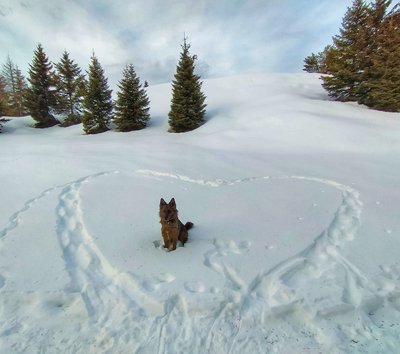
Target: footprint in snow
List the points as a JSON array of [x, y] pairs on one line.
[[231, 246], [166, 277], [195, 287]]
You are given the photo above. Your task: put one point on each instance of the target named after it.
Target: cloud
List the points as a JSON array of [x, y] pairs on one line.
[[228, 36]]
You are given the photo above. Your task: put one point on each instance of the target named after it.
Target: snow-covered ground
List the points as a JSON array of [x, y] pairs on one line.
[[296, 245]]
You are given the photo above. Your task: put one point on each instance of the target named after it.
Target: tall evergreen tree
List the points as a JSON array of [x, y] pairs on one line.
[[364, 59], [132, 104], [15, 86], [3, 100], [383, 84], [41, 96], [383, 34], [21, 89], [70, 90], [187, 104], [344, 84], [3, 97], [97, 102], [10, 86]]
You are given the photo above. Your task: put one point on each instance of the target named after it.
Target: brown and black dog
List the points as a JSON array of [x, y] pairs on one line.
[[172, 228]]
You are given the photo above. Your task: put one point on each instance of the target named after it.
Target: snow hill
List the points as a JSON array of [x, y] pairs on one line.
[[295, 248]]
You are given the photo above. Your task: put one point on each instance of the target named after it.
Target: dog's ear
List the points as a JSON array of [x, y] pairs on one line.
[[172, 202], [162, 202]]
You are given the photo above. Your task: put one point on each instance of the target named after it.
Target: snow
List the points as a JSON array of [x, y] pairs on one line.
[[295, 247]]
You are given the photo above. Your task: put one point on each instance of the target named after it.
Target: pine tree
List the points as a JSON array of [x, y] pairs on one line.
[[20, 93], [383, 85], [318, 63], [3, 99], [364, 59], [344, 84], [70, 90], [132, 104], [311, 64], [187, 104], [383, 44], [41, 96], [97, 102], [3, 96], [15, 86], [331, 60], [10, 86]]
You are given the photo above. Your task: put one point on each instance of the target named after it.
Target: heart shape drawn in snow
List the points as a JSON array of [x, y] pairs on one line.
[[253, 233], [256, 252]]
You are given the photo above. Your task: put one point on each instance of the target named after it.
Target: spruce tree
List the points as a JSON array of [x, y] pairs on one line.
[[344, 84], [318, 63], [21, 89], [132, 104], [187, 104], [383, 84], [41, 96], [311, 64], [70, 90], [3, 97], [15, 86], [10, 86], [3, 100], [381, 55], [364, 59], [97, 102]]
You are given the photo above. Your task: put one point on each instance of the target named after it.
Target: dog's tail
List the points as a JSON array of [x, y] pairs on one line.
[[188, 225]]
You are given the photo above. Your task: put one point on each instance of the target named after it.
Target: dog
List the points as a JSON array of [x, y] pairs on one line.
[[172, 228]]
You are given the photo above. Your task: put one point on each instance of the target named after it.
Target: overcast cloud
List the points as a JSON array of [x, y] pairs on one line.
[[229, 36]]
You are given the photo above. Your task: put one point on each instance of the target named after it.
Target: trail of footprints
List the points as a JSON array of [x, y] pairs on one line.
[[111, 296], [317, 284]]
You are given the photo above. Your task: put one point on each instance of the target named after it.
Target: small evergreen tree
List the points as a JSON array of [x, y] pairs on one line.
[[71, 89], [311, 64], [132, 104], [187, 104], [41, 96], [97, 102], [317, 63]]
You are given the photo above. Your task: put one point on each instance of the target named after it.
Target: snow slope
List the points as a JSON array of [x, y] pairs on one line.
[[296, 241]]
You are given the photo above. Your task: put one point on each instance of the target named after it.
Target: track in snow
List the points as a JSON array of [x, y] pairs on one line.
[[286, 300], [250, 315]]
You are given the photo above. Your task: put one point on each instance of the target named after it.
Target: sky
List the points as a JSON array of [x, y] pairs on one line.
[[228, 36]]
